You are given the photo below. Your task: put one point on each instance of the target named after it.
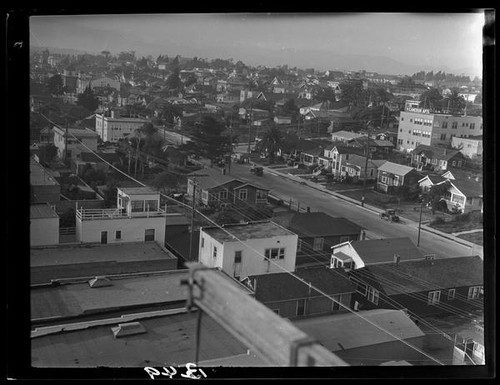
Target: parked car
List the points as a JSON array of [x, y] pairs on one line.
[[257, 170], [390, 215]]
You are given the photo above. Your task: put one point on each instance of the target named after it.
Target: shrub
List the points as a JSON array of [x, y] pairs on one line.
[[438, 221]]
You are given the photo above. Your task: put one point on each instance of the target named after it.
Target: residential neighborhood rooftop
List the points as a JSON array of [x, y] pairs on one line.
[[169, 341], [42, 210], [284, 286], [364, 328], [245, 231], [39, 175], [77, 298], [395, 168], [383, 250], [316, 224], [417, 276], [138, 190]]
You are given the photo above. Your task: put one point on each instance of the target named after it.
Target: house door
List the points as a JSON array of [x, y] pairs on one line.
[[149, 235], [237, 264], [104, 237]]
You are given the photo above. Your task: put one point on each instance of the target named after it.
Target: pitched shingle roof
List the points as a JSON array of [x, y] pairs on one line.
[[435, 152], [383, 250], [211, 177], [425, 275], [316, 224], [283, 286], [394, 168]]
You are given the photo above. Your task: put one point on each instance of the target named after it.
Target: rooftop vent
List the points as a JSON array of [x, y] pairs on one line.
[[100, 282], [128, 329], [430, 257]]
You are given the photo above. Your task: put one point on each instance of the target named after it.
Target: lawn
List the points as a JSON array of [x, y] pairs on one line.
[[465, 222], [476, 238]]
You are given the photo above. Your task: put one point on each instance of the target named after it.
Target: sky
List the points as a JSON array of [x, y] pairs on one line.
[[404, 41]]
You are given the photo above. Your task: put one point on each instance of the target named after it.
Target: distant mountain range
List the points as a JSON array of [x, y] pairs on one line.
[[317, 59]]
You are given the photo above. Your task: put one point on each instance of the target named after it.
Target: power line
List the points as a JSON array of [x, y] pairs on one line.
[[266, 258]]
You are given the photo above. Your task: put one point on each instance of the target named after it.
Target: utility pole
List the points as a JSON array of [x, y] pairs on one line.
[[193, 202], [250, 125], [136, 156], [420, 221], [367, 151]]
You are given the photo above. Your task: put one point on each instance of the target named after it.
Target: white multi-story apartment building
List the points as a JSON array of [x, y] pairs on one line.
[[138, 217], [113, 128], [71, 142], [250, 249], [420, 126]]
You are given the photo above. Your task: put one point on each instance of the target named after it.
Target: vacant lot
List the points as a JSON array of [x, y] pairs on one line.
[[457, 223], [476, 237]]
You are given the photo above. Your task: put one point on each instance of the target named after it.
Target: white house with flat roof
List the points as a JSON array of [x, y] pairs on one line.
[[71, 142], [113, 128], [44, 225], [248, 249], [138, 217]]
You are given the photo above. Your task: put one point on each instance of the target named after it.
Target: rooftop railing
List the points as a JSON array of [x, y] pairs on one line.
[[116, 213]]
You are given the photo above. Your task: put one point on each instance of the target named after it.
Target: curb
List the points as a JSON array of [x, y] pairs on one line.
[[371, 208]]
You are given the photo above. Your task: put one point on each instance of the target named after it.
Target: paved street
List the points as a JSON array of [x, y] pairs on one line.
[[376, 228]]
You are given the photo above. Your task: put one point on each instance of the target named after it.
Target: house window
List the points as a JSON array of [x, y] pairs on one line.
[[118, 234], [274, 253], [261, 195], [445, 124], [383, 179], [443, 136], [242, 194], [336, 262], [472, 126], [301, 307], [137, 206], [451, 294], [277, 311], [318, 243], [454, 125], [214, 252], [372, 295], [223, 194], [202, 242], [396, 180], [152, 205], [361, 288], [237, 256], [475, 292], [149, 235], [204, 195], [433, 297]]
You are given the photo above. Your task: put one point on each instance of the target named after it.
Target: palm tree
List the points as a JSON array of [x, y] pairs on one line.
[[455, 102], [271, 143]]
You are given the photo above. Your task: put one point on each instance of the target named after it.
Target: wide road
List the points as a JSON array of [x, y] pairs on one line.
[[376, 227]]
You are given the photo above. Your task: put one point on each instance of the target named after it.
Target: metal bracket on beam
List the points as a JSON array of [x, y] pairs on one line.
[[296, 345], [191, 283]]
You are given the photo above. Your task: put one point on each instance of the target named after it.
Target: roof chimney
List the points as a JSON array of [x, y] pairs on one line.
[[397, 258]]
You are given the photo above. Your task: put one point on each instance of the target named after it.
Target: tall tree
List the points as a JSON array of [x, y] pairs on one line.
[[55, 85], [454, 102], [271, 143], [88, 99], [431, 98], [208, 140], [352, 93], [174, 80]]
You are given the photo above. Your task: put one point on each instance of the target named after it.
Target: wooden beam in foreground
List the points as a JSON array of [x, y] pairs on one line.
[[273, 338]]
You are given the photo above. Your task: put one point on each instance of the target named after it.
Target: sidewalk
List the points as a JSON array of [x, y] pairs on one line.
[[376, 210]]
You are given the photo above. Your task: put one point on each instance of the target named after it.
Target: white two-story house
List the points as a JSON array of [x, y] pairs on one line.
[[138, 217], [248, 249]]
